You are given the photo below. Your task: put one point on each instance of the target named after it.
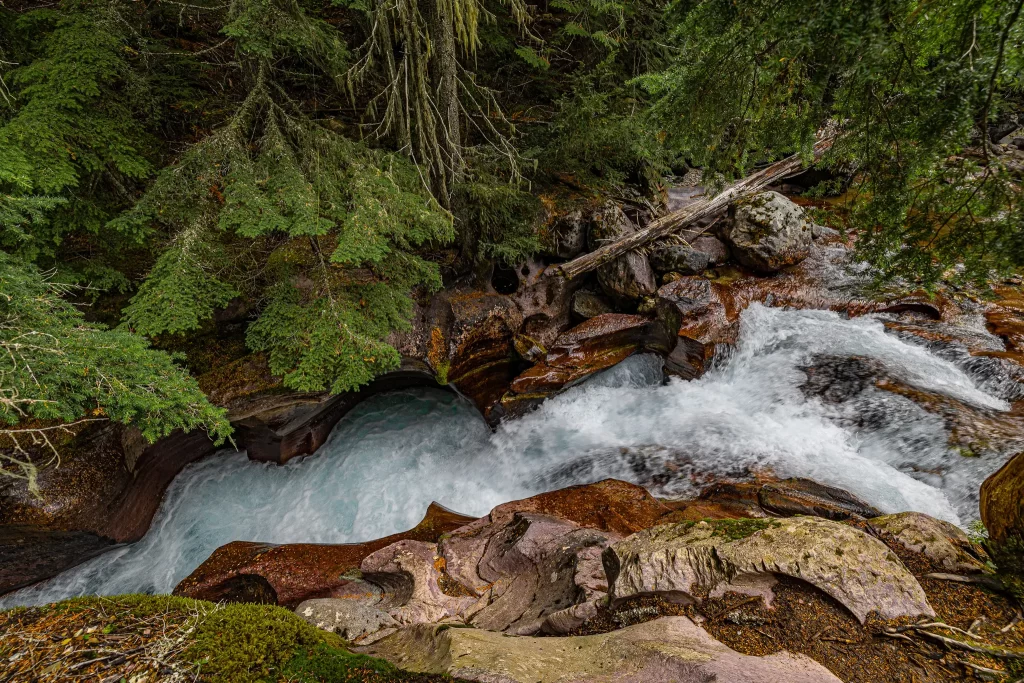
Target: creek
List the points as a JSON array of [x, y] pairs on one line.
[[394, 454]]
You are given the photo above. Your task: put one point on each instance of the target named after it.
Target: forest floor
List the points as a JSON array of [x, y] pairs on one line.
[[144, 639]]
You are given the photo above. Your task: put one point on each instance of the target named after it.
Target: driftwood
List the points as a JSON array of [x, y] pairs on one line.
[[678, 220]]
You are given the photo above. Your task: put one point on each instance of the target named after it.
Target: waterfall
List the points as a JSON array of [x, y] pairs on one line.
[[394, 454]]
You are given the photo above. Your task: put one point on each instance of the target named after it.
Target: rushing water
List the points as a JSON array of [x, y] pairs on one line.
[[394, 454]]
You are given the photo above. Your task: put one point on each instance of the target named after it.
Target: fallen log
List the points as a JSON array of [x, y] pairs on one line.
[[678, 220]]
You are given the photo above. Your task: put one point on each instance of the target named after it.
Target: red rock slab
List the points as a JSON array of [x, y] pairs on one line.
[[286, 575], [591, 346], [708, 311], [609, 505], [1005, 318], [1002, 501]]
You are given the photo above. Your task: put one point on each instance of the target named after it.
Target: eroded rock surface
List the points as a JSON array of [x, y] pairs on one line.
[[666, 649], [530, 566], [242, 571], [679, 560], [594, 345], [941, 542]]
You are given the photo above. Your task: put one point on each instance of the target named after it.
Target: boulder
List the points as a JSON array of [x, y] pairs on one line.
[[567, 235], [716, 249], [945, 544], [706, 310], [665, 649], [707, 317], [586, 305], [629, 277], [679, 259], [475, 349], [1002, 502], [594, 345], [689, 359], [289, 574], [767, 232], [545, 302], [530, 566], [678, 561]]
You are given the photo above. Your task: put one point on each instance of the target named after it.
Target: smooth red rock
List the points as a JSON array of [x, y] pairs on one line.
[[1002, 501], [288, 574], [591, 346]]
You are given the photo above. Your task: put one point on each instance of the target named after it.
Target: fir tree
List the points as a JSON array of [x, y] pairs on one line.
[[335, 222], [57, 371], [913, 87]]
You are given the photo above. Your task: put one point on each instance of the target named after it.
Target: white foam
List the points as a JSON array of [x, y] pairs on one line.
[[389, 458]]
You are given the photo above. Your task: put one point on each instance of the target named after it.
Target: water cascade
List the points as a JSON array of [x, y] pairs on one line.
[[393, 455]]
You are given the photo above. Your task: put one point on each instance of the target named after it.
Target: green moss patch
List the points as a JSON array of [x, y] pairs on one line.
[[123, 637], [735, 529]]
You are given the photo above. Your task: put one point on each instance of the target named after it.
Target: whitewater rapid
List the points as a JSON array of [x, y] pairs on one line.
[[394, 454]]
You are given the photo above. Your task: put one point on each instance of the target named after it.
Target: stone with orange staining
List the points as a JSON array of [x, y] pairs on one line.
[[1002, 502], [593, 345], [288, 574]]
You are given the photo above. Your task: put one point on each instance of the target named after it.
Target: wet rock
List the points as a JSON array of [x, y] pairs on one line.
[[296, 572], [854, 568], [798, 496], [767, 232], [716, 249], [608, 505], [593, 345], [586, 305], [837, 379], [689, 359], [30, 554], [707, 318], [529, 566], [477, 346], [528, 348], [706, 310], [679, 259], [1002, 502], [943, 543], [629, 277], [666, 649], [781, 498]]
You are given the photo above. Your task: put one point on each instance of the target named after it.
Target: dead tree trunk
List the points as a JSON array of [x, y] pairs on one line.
[[678, 220]]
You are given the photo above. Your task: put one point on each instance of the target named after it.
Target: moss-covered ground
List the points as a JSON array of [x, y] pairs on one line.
[[146, 638]]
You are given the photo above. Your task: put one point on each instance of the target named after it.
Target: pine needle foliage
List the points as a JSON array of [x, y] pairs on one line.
[[74, 124], [335, 222], [57, 370], [913, 87]]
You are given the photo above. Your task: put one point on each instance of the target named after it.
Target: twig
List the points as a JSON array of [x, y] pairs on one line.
[[730, 608], [952, 642]]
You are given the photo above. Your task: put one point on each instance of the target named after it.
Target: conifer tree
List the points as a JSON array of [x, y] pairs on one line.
[[278, 208], [913, 87]]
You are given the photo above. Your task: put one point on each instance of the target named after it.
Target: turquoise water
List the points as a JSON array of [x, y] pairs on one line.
[[394, 454]]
